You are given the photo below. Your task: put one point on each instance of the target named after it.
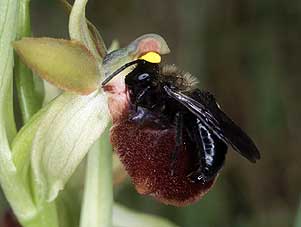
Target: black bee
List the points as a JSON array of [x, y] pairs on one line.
[[163, 96]]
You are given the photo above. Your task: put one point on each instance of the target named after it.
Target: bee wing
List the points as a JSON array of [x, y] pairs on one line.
[[204, 106]]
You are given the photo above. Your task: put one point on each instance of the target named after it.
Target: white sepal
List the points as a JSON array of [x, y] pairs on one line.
[[68, 129]]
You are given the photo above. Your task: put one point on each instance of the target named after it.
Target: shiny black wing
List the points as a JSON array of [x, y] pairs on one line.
[[204, 106]]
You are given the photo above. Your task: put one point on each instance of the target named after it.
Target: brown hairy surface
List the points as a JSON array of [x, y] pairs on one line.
[[182, 80], [146, 155]]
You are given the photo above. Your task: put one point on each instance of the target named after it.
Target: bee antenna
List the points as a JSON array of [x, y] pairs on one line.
[[110, 77]]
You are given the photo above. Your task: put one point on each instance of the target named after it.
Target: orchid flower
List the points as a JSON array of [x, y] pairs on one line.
[[37, 161]]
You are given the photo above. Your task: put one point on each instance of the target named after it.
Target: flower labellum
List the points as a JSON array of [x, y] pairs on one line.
[[146, 155], [171, 137]]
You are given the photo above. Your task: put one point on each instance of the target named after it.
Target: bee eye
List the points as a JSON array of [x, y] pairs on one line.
[[143, 76]]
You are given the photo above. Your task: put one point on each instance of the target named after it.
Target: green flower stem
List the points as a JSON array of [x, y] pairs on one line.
[[30, 100], [98, 193]]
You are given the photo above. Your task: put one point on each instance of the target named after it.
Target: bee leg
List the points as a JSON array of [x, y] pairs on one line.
[[213, 156], [198, 146], [140, 96], [199, 174], [179, 141]]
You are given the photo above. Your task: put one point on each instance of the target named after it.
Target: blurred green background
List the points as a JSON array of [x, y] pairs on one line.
[[247, 53]]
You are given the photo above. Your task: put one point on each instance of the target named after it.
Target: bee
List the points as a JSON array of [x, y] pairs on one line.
[[161, 99]]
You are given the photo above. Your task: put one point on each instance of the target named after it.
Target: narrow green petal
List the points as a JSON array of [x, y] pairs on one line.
[[95, 35], [97, 39], [114, 45], [67, 64], [70, 126], [79, 30]]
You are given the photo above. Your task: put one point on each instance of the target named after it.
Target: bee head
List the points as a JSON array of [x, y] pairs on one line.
[[147, 66], [145, 74]]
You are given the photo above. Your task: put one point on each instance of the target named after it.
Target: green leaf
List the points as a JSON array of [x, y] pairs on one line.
[[66, 132], [124, 217], [8, 24], [29, 98], [67, 64], [14, 190]]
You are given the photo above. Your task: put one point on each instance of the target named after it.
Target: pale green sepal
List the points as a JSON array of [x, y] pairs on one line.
[[67, 64], [70, 126], [124, 217]]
